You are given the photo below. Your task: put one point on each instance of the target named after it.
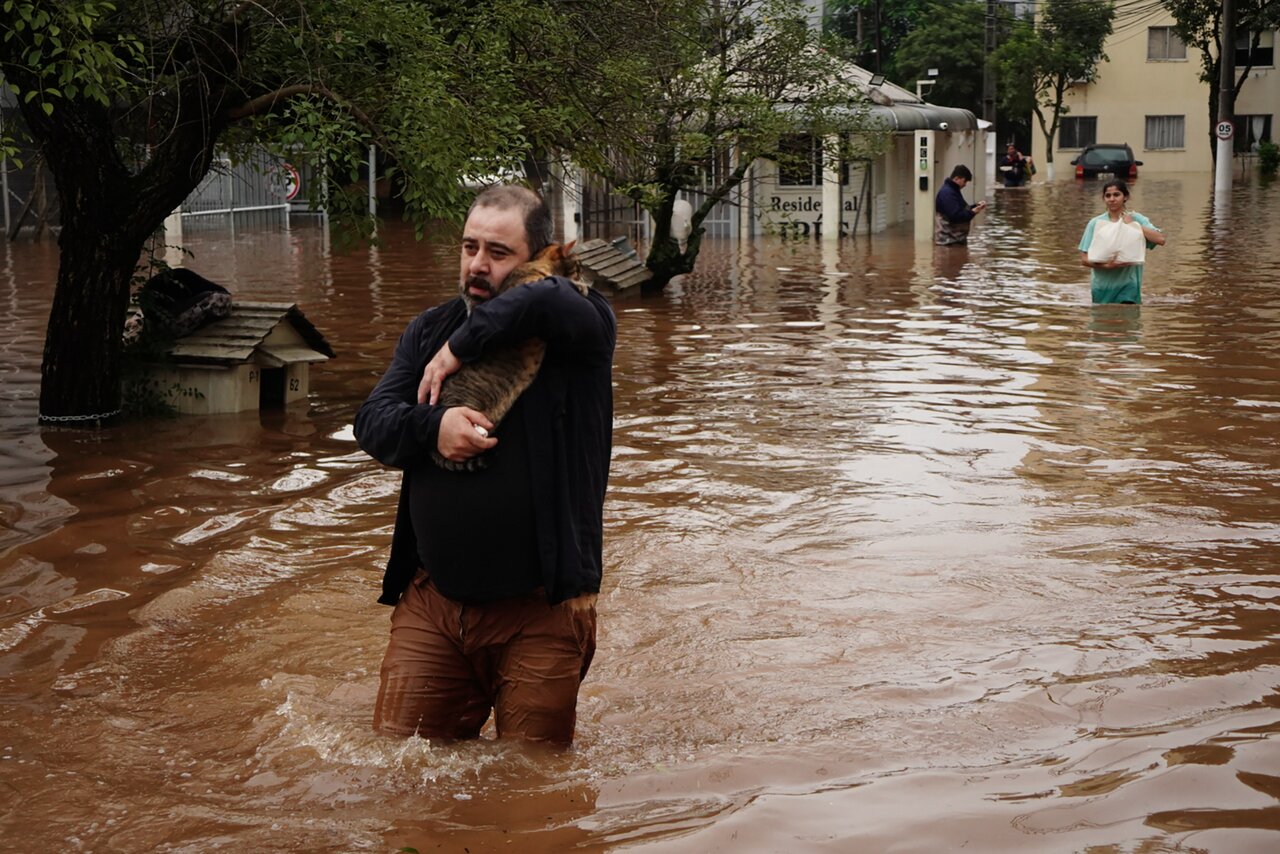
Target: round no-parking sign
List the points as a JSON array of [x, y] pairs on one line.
[[1225, 130], [291, 180]]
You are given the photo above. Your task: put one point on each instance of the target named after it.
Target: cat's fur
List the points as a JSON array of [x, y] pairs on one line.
[[492, 383]]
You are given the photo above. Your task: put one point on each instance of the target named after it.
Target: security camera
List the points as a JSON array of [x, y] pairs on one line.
[[942, 125]]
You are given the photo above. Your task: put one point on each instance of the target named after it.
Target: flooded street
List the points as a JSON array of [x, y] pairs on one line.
[[906, 550]]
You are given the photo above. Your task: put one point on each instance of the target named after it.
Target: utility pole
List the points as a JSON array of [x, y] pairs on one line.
[[1226, 98], [879, 42], [988, 74]]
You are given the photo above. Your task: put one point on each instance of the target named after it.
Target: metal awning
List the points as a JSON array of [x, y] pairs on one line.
[[908, 117]]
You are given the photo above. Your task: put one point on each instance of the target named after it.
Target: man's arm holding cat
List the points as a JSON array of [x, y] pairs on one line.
[[397, 432], [552, 310]]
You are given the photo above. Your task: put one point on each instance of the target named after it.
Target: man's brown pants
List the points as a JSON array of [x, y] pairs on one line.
[[448, 664]]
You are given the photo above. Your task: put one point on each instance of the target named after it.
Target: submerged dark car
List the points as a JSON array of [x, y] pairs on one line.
[[1107, 160]]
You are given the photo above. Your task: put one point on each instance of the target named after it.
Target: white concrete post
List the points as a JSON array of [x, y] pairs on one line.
[[747, 204], [173, 238], [831, 188], [983, 181], [926, 183]]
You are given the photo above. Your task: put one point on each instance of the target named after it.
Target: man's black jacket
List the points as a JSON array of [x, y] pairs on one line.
[[568, 416], [952, 205]]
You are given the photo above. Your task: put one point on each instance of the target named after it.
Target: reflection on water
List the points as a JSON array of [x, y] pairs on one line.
[[907, 548]]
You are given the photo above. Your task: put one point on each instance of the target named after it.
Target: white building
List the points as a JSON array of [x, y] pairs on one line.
[[924, 143]]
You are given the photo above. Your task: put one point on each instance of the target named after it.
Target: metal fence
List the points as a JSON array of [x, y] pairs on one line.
[[261, 190], [259, 185]]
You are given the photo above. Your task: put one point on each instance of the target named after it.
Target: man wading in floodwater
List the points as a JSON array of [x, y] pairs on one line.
[[952, 214], [494, 573]]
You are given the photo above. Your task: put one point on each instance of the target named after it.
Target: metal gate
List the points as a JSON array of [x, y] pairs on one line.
[[722, 221], [607, 215]]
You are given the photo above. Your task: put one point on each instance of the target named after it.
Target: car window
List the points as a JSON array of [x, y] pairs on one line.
[[1104, 156]]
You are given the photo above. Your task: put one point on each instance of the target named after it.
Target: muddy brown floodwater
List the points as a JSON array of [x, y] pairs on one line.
[[906, 550]]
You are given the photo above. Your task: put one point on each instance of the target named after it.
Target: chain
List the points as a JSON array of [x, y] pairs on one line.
[[101, 416]]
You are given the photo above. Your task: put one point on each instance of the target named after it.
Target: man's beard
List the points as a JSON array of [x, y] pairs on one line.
[[476, 282]]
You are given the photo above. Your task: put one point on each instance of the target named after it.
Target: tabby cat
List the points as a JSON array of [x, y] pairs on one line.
[[492, 383]]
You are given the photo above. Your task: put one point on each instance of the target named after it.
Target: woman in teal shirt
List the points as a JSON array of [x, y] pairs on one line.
[[1113, 281]]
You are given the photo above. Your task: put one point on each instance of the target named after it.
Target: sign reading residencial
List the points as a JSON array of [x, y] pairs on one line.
[[1225, 130]]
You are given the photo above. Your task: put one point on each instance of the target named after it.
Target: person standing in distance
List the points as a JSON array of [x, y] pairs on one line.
[[494, 573], [952, 214], [1015, 168]]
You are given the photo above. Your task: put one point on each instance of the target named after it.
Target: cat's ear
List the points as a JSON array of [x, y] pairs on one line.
[[568, 247]]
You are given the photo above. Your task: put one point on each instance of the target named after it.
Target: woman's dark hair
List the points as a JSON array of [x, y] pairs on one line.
[[537, 217], [1118, 184]]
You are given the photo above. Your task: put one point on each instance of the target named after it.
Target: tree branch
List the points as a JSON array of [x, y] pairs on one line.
[[266, 103]]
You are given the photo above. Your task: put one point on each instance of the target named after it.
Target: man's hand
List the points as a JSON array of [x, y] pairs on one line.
[[442, 364], [459, 440]]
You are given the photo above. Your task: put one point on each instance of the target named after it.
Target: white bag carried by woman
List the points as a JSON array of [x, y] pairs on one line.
[[1118, 241]]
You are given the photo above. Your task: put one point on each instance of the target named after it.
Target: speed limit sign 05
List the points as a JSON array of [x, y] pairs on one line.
[[1225, 130]]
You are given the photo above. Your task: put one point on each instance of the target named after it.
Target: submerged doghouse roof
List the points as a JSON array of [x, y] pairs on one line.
[[613, 262], [246, 335]]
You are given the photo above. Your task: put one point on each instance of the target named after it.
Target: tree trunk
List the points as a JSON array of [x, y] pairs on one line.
[[80, 374], [1211, 65], [665, 260], [1213, 124], [106, 220], [108, 214]]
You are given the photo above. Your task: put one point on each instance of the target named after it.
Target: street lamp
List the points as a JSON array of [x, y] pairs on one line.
[[932, 79]]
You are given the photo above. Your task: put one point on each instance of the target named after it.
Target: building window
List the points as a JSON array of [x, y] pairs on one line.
[[800, 161], [1165, 131], [1251, 130], [1078, 131], [1163, 44], [1262, 56]]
